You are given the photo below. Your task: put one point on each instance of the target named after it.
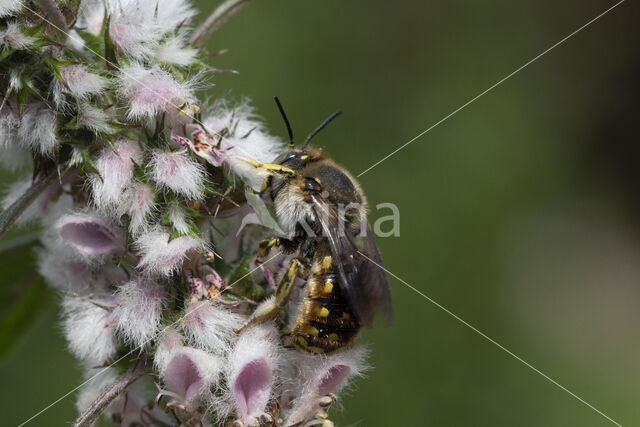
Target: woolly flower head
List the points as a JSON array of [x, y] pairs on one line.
[[150, 91], [88, 328], [138, 203], [80, 82], [14, 37], [247, 135], [210, 326], [38, 128], [137, 26], [139, 311], [115, 167], [177, 172], [161, 255], [10, 7], [174, 51]]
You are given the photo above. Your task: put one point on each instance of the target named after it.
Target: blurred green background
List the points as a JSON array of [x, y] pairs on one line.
[[520, 213]]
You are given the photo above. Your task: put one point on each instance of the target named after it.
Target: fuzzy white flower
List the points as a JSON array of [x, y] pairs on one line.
[[177, 172], [10, 7], [116, 167], [150, 91], [38, 128], [178, 218], [249, 136], [138, 204], [137, 26], [81, 83], [14, 37], [88, 329], [93, 118], [210, 326], [174, 51], [139, 311], [162, 255]]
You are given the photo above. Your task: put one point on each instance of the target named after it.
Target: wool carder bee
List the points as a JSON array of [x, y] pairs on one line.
[[321, 210]]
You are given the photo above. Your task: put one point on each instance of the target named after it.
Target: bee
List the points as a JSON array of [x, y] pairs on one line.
[[322, 210]]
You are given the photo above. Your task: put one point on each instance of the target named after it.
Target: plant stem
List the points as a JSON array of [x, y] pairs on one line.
[[90, 415], [218, 17]]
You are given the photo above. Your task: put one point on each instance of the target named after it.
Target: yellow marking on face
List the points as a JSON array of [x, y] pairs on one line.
[[324, 312], [326, 263], [302, 342], [313, 331], [345, 315], [328, 287], [305, 157], [333, 337]]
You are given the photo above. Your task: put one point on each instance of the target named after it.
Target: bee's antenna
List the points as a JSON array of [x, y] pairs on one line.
[[286, 121], [319, 128]]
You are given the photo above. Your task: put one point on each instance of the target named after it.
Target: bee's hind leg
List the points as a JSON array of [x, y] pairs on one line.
[[283, 293]]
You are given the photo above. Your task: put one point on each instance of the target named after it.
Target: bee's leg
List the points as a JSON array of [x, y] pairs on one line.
[[283, 293], [265, 246], [270, 168]]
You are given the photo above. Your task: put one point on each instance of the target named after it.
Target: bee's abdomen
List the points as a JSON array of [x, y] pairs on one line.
[[325, 322]]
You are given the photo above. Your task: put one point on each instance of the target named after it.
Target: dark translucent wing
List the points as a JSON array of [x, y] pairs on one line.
[[363, 283], [375, 277]]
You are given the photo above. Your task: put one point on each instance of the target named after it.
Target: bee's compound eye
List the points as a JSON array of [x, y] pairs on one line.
[[312, 184]]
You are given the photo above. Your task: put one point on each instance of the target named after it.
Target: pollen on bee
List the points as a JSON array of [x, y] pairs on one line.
[[326, 263], [324, 312], [333, 337]]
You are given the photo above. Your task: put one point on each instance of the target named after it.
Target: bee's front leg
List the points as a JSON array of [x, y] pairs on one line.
[[283, 293], [265, 246]]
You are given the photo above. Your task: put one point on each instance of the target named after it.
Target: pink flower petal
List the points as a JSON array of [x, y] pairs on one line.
[[252, 388], [183, 377], [332, 379], [90, 236]]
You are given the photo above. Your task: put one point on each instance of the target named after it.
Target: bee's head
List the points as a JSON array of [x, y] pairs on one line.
[[286, 166], [297, 158]]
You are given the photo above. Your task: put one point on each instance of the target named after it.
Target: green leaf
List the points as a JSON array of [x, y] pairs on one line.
[[9, 216], [21, 99], [110, 49]]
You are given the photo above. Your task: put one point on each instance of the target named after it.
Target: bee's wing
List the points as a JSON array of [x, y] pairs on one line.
[[364, 284]]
